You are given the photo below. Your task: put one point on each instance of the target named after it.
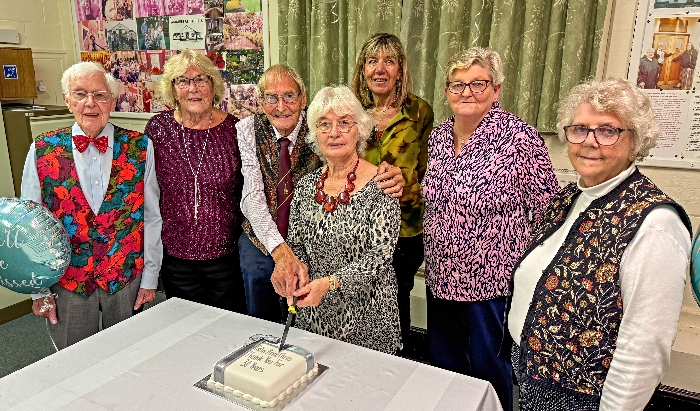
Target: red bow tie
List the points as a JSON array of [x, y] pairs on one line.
[[82, 142]]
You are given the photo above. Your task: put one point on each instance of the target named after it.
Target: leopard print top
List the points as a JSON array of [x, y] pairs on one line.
[[356, 243]]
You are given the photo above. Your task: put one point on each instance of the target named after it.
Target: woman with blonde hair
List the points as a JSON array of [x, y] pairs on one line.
[[199, 170], [402, 123]]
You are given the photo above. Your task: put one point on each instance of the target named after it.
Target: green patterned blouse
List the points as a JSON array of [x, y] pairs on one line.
[[404, 144]]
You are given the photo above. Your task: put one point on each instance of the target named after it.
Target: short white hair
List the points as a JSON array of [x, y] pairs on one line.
[[622, 100], [87, 69], [343, 102]]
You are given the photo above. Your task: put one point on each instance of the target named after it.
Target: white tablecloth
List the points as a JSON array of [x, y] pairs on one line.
[[151, 361]]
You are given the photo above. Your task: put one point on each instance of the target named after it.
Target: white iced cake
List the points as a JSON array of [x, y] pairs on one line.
[[262, 373]]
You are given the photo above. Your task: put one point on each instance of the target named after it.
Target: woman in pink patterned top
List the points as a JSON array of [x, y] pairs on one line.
[[489, 177]]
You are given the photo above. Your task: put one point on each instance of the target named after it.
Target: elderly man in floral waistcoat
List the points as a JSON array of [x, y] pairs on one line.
[[99, 181], [274, 156]]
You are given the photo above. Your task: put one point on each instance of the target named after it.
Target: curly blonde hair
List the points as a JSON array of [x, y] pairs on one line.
[[178, 65], [619, 98]]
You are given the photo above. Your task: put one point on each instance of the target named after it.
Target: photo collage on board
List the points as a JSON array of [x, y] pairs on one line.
[[133, 39]]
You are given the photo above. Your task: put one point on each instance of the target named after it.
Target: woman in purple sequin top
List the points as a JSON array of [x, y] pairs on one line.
[[199, 171], [489, 178]]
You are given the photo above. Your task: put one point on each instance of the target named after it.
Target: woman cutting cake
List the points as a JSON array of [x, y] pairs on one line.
[[345, 229]]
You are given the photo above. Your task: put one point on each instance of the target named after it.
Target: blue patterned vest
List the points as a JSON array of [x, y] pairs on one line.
[[570, 332]]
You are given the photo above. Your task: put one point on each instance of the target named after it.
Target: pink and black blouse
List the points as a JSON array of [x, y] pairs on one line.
[[482, 204]]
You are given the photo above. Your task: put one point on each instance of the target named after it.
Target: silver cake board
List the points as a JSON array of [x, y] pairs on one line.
[[229, 396]]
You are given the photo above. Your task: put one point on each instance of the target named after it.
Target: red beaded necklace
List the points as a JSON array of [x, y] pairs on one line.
[[329, 202]]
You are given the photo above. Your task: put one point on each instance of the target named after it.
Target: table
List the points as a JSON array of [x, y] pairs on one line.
[[150, 362]]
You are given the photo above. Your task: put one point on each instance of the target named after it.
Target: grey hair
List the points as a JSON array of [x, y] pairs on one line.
[[619, 98], [275, 73], [487, 58], [86, 69], [342, 101]]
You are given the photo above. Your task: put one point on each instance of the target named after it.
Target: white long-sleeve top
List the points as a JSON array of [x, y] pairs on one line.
[[253, 201], [94, 169], [652, 279]]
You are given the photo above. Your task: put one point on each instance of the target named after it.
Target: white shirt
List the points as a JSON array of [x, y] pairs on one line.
[[254, 203], [652, 279], [94, 169]]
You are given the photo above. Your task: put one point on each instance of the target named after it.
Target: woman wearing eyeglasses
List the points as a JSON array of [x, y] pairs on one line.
[[489, 178], [402, 124], [344, 228], [598, 292], [197, 154]]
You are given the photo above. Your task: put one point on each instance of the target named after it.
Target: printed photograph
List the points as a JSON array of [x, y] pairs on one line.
[[245, 66], [215, 35], [121, 35], [213, 9], [152, 63], [117, 10], [675, 4], [242, 100], [243, 31], [153, 33], [88, 10], [184, 7], [101, 57], [93, 35], [235, 6], [125, 66], [187, 32], [148, 8], [130, 99], [669, 62]]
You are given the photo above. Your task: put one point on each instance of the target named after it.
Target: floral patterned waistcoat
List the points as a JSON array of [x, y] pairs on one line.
[[570, 332], [107, 247], [267, 150]]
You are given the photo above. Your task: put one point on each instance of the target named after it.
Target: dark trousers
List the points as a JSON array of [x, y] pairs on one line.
[[408, 256], [216, 282], [262, 300], [466, 337]]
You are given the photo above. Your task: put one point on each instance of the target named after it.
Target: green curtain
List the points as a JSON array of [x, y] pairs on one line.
[[547, 46]]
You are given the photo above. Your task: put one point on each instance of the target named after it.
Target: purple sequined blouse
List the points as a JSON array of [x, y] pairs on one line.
[[179, 152]]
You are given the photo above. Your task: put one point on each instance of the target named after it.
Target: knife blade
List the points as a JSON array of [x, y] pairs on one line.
[[292, 311]]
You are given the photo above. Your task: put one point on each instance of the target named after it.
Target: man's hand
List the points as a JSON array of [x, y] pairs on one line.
[[389, 179], [144, 296], [45, 307], [288, 271]]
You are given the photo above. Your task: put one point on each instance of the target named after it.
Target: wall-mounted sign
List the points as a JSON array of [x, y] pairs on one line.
[[10, 72]]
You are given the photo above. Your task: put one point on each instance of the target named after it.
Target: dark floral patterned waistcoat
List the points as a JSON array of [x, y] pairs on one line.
[[107, 246], [570, 332], [267, 149]]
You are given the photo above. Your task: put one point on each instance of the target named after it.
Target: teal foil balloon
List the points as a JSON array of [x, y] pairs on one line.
[[695, 268], [34, 247]]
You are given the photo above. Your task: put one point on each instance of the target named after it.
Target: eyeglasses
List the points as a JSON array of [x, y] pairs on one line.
[[476, 86], [326, 126], [98, 96], [199, 81], [603, 135], [289, 98]]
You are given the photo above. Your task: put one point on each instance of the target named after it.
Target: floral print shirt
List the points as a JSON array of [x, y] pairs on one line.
[[481, 205]]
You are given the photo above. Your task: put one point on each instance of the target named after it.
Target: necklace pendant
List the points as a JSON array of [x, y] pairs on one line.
[[330, 205], [344, 197]]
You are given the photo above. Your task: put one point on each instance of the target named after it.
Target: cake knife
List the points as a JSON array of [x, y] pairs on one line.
[[292, 311]]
